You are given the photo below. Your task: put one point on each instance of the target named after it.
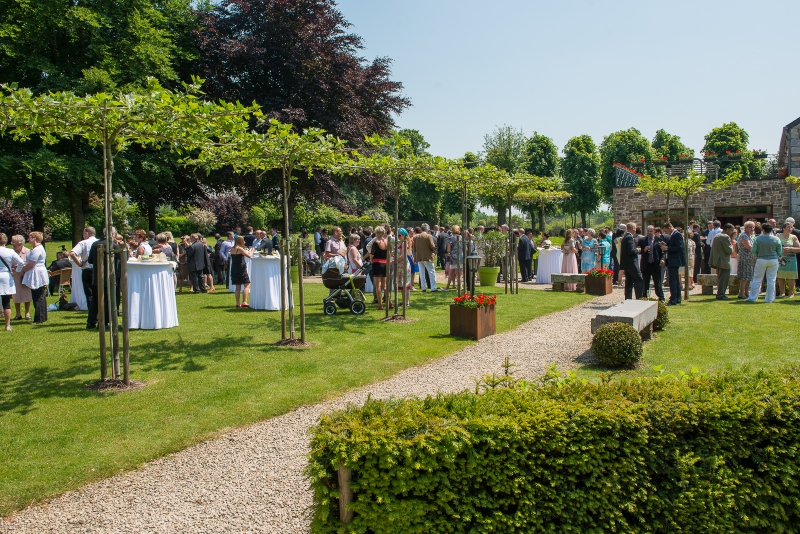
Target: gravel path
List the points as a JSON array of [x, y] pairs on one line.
[[251, 479]]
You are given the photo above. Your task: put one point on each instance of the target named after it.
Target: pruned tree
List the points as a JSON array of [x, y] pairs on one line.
[[155, 117], [685, 188]]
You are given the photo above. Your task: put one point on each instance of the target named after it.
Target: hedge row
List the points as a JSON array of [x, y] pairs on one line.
[[703, 454]]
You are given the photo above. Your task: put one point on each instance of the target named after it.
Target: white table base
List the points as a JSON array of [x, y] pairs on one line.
[[549, 263], [265, 282], [151, 296]]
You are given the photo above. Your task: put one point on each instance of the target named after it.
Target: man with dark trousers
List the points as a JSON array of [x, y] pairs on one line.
[[721, 250], [196, 261], [95, 257], [441, 246], [651, 262], [629, 262], [698, 252], [676, 258], [524, 255]]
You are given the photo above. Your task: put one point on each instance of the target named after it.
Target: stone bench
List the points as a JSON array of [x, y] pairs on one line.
[[640, 314], [559, 279], [709, 282]]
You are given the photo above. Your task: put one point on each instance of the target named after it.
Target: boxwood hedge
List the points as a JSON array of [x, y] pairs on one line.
[[702, 454]]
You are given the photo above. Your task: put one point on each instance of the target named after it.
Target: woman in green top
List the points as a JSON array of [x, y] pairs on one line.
[[766, 249], [787, 268]]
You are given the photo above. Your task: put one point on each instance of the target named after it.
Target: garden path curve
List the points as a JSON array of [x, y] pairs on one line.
[[251, 479]]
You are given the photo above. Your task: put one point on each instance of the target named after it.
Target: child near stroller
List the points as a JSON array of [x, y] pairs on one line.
[[345, 288]]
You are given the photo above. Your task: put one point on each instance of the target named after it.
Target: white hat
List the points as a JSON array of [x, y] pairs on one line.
[[790, 220]]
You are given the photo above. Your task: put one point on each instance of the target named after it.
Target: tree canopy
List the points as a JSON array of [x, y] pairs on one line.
[[580, 168], [626, 147]]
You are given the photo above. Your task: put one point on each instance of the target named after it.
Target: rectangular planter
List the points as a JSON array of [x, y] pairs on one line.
[[598, 285], [472, 323]]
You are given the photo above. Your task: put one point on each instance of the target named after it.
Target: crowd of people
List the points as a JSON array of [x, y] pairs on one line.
[[758, 252]]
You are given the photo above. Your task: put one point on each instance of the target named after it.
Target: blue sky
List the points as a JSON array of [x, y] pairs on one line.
[[571, 67]]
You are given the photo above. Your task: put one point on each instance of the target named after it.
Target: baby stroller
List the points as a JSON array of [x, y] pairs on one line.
[[345, 288]]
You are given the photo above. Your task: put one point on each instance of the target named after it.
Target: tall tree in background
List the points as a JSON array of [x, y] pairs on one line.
[[296, 59], [626, 147], [730, 139], [86, 47], [580, 168], [541, 159], [505, 149]]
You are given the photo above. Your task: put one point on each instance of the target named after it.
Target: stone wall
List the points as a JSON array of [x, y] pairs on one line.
[[794, 197], [629, 204]]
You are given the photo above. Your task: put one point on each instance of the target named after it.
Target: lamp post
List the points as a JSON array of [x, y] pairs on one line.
[[473, 262]]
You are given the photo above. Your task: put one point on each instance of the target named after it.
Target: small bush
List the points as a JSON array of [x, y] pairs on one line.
[[14, 221], [255, 218], [179, 226], [617, 344], [202, 220], [662, 319]]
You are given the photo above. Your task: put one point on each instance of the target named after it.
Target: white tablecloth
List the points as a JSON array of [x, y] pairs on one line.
[[151, 296], [76, 291], [549, 263], [265, 282], [734, 266]]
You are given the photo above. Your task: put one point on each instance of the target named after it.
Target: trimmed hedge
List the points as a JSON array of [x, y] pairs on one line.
[[617, 344], [702, 454], [662, 319]]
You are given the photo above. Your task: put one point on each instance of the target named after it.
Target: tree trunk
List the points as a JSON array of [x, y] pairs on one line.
[[501, 215], [583, 219], [686, 247], [152, 209], [667, 214], [78, 206], [37, 212], [542, 221]]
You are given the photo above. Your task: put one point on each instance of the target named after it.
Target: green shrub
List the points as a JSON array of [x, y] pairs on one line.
[[703, 454], [662, 319], [179, 226], [256, 218], [363, 222], [617, 344]]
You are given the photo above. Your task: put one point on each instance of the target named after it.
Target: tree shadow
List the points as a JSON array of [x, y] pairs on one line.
[[21, 390]]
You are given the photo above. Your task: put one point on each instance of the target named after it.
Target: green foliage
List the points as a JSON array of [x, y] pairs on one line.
[[626, 147], [256, 218], [580, 168], [670, 146], [493, 246], [730, 138], [361, 221], [662, 319], [699, 454], [617, 344], [541, 156], [179, 226]]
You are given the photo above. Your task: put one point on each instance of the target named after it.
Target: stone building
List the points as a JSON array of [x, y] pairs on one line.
[[771, 198]]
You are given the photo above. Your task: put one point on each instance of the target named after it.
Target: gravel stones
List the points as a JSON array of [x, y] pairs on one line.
[[251, 480]]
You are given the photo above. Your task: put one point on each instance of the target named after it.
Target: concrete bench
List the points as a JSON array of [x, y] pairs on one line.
[[709, 282], [640, 314], [559, 279]]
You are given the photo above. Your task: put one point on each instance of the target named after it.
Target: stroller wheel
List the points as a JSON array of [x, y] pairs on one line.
[[330, 308], [357, 307]]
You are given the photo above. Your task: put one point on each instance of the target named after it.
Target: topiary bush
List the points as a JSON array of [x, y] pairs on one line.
[[662, 319], [617, 344], [701, 454]]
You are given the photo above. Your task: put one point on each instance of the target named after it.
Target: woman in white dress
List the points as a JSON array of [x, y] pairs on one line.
[[35, 277], [9, 260], [23, 294]]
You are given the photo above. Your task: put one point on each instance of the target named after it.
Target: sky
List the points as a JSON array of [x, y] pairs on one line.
[[571, 67]]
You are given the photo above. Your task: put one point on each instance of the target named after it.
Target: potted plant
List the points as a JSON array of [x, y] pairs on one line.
[[733, 155], [492, 246], [598, 281], [710, 156], [473, 317], [760, 154]]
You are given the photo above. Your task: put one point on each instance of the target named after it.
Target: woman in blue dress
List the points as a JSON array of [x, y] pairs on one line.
[[589, 256]]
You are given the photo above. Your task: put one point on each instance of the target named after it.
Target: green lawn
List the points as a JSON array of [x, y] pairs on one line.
[[710, 335], [217, 370]]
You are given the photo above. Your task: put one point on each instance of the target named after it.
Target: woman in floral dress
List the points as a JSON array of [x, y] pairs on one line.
[[744, 245]]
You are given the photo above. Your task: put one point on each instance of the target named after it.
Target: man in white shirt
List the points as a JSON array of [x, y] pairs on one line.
[[713, 233], [80, 255]]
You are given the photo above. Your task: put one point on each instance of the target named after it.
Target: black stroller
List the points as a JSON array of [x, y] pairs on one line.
[[345, 288]]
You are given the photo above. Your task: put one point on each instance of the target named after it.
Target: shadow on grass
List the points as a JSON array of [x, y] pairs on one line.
[[21, 390]]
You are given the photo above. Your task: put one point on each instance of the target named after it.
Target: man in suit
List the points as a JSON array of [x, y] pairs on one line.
[[698, 251], [676, 258], [93, 259], [629, 262], [275, 239], [524, 255], [196, 261], [721, 250], [265, 243], [441, 247], [651, 262]]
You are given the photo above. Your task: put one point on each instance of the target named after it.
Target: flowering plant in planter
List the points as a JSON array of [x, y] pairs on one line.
[[709, 155], [600, 273], [478, 301], [759, 153]]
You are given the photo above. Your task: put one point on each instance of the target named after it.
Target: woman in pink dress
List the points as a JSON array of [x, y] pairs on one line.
[[569, 264]]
